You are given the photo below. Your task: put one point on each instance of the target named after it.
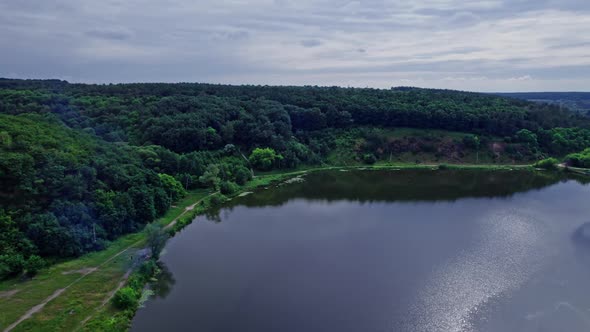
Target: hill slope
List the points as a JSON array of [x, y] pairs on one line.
[[64, 192]]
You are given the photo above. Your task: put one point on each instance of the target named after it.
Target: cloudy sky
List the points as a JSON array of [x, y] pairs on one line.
[[482, 45]]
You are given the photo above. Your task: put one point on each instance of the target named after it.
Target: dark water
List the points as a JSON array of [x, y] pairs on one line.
[[384, 251]]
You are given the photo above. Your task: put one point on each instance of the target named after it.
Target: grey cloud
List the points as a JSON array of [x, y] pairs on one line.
[[237, 35], [561, 45], [109, 34], [464, 18], [464, 50], [311, 43]]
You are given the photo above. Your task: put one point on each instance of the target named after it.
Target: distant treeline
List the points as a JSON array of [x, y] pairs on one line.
[[82, 164], [576, 101]]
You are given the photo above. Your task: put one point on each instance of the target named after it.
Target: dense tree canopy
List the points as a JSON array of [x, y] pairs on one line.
[[81, 164]]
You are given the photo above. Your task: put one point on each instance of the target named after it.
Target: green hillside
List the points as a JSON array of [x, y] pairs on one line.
[[64, 192], [81, 165]]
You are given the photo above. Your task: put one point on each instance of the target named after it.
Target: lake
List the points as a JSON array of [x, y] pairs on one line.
[[407, 250]]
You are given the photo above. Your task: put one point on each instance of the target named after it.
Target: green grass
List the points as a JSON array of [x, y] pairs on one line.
[[32, 292], [403, 131], [67, 311], [179, 207]]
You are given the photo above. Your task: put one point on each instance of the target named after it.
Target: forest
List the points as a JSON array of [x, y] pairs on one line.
[[576, 101], [81, 165]]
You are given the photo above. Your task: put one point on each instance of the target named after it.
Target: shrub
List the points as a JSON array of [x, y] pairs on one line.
[[242, 175], [443, 166], [218, 199], [33, 265], [549, 163], [148, 269], [581, 159], [228, 187], [126, 298], [369, 159]]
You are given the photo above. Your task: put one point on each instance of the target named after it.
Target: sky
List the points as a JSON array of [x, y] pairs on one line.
[[481, 45]]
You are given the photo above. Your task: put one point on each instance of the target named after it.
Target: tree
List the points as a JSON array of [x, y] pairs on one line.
[[264, 158], [143, 201], [242, 175], [162, 201], [5, 139], [11, 264], [172, 186], [211, 177], [228, 187], [11, 239], [156, 239], [528, 137], [229, 149], [473, 142]]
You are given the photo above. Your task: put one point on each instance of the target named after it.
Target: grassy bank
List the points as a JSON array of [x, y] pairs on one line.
[[84, 285], [263, 176]]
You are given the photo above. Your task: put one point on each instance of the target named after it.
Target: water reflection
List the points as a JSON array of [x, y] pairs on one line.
[[581, 236], [164, 282], [403, 185], [383, 251], [581, 243]]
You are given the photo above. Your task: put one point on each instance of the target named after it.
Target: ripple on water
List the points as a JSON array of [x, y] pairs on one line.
[[503, 256]]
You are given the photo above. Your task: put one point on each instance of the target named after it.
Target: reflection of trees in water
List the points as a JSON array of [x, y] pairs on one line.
[[581, 243], [164, 283], [405, 185], [214, 214], [581, 236], [399, 186]]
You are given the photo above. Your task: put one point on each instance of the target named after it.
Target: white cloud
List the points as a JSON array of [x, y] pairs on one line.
[[521, 78]]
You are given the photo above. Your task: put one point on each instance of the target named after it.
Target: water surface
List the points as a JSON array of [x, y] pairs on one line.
[[384, 251]]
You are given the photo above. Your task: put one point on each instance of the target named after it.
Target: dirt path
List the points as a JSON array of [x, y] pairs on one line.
[[58, 292], [8, 294], [35, 309], [89, 271], [107, 299], [187, 209]]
